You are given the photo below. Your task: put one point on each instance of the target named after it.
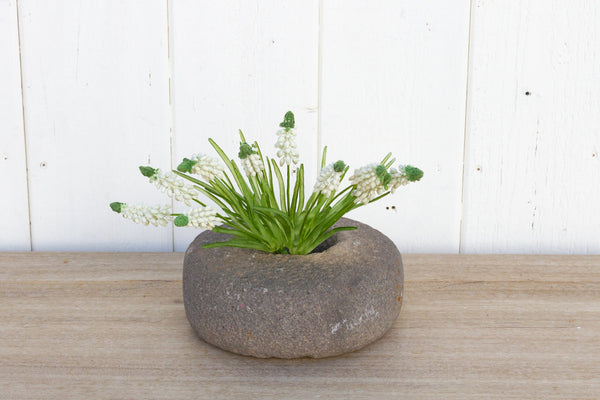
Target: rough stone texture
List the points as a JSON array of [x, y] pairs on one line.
[[288, 306]]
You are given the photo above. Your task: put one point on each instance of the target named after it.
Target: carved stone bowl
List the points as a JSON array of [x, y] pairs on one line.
[[338, 299]]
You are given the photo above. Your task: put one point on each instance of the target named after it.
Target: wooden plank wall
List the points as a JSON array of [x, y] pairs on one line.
[[250, 63], [498, 101], [394, 79], [532, 168], [14, 202], [96, 100]]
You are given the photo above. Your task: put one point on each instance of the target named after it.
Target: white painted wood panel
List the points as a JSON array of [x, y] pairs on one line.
[[532, 171], [242, 65], [14, 205], [362, 77], [96, 106], [394, 79]]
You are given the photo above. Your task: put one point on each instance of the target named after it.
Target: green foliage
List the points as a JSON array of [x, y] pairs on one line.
[[148, 171], [186, 165], [245, 150], [267, 210], [116, 206], [263, 218], [413, 174], [288, 121], [181, 220], [384, 176], [339, 166]]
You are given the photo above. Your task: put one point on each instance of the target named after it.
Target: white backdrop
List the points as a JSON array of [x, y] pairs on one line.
[[497, 101]]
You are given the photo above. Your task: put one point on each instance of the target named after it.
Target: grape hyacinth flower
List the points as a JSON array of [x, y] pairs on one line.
[[168, 183], [262, 199], [329, 178], [200, 164], [141, 214], [251, 161], [286, 141], [368, 184], [398, 179], [404, 175], [205, 218], [372, 180]]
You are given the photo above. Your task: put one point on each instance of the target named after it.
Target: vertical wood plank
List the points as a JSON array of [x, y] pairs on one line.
[[242, 65], [394, 79], [14, 202], [532, 169], [96, 106]]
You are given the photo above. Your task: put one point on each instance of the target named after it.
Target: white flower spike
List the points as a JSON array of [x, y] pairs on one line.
[[260, 207], [146, 215], [200, 164], [398, 178], [205, 218], [403, 176], [251, 161], [329, 178], [373, 180], [286, 141], [170, 184], [368, 184]]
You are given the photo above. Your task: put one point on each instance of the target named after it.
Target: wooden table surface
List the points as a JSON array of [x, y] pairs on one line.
[[112, 325]]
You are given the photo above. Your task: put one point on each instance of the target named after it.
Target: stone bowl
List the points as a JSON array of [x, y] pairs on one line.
[[338, 299]]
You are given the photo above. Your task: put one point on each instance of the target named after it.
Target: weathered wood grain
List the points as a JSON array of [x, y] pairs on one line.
[[111, 325]]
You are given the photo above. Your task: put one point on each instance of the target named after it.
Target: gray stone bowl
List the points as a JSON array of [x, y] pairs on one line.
[[333, 301]]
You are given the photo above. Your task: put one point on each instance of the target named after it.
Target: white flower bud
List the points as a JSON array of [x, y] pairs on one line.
[[207, 167], [174, 187], [141, 214], [205, 218], [398, 178], [286, 145], [252, 165], [368, 184], [327, 181]]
